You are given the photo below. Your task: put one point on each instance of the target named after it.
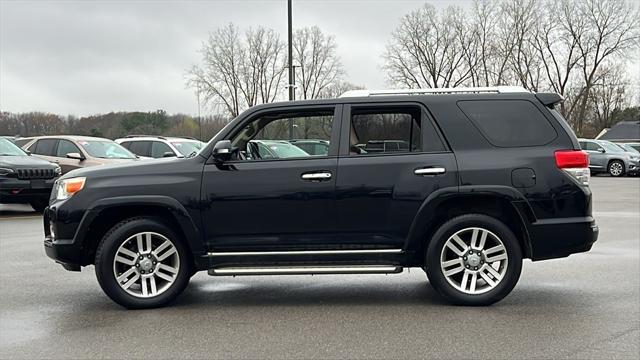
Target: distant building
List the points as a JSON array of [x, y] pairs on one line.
[[624, 131]]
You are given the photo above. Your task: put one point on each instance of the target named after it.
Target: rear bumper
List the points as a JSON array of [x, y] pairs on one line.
[[556, 238]]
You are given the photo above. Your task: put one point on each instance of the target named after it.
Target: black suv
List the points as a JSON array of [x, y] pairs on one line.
[[488, 176], [25, 179]]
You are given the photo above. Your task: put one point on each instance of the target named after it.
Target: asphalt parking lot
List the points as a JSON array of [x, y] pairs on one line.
[[584, 306]]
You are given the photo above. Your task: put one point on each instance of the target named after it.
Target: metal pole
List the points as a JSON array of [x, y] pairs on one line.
[[291, 71], [199, 117]]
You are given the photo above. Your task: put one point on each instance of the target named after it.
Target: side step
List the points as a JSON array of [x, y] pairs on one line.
[[306, 270]]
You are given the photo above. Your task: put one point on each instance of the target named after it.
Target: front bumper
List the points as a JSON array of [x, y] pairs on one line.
[[633, 168], [556, 238], [17, 191], [66, 252]]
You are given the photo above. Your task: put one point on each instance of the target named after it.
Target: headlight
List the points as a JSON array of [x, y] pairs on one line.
[[6, 171], [56, 168], [67, 187]]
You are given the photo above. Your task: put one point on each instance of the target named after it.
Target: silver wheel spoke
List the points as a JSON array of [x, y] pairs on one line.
[[457, 245], [452, 267], [500, 253], [126, 256], [123, 278], [152, 281], [167, 253], [131, 281]]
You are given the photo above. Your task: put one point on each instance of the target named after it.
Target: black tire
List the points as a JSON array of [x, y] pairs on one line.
[[613, 167], [106, 252], [448, 291], [39, 205]]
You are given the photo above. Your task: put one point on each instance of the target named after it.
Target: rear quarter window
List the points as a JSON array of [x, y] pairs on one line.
[[509, 123]]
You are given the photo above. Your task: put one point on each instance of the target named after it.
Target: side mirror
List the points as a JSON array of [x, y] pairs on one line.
[[222, 151], [168, 154], [76, 156], [601, 150]]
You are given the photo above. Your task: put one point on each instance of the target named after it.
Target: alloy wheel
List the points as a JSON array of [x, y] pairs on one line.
[[146, 264], [615, 169], [474, 260]]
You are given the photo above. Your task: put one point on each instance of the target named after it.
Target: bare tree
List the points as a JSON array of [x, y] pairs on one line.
[[424, 51], [237, 73], [611, 28], [319, 65], [338, 88]]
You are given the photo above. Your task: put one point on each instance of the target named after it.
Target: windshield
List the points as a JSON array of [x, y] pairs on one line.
[[628, 148], [105, 149], [609, 146], [286, 150], [7, 148], [187, 147]]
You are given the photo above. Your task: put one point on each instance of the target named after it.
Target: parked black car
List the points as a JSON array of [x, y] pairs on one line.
[[25, 179], [489, 176]]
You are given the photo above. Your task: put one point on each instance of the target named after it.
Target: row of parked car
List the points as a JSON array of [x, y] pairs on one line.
[[617, 159], [29, 166]]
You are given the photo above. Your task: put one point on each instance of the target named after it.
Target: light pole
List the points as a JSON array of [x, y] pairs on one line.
[[292, 79]]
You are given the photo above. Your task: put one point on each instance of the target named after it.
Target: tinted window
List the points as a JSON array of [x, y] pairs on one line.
[[65, 147], [125, 144], [385, 130], [159, 148], [45, 147], [271, 136], [21, 142], [588, 145], [509, 123], [141, 148]]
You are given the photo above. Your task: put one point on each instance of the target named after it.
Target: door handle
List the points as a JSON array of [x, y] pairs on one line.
[[430, 171], [316, 176]]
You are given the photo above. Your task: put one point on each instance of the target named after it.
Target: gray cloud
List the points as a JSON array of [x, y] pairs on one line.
[[85, 57]]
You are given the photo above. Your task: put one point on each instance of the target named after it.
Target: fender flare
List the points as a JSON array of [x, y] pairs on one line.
[[177, 210], [426, 212]]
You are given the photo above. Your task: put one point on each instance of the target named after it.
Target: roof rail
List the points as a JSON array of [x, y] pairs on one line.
[[458, 90], [143, 136]]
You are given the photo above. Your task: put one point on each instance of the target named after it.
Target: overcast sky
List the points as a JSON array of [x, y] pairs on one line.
[[88, 57]]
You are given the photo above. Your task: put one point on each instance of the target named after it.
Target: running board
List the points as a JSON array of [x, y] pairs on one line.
[[306, 270]]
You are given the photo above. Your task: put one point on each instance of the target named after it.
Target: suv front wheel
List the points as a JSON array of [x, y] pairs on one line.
[[473, 259], [141, 263]]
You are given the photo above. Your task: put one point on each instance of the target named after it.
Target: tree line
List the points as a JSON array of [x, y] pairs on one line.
[[112, 125]]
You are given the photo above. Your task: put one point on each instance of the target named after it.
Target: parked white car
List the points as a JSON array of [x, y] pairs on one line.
[[149, 146]]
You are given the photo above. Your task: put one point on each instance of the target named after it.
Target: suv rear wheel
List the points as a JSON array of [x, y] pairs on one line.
[[474, 259], [141, 263]]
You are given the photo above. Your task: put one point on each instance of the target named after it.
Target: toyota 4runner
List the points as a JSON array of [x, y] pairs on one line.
[[485, 177]]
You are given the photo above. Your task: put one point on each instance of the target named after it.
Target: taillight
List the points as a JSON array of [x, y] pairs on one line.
[[574, 163]]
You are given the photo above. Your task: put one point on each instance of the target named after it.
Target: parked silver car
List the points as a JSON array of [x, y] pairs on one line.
[[605, 156]]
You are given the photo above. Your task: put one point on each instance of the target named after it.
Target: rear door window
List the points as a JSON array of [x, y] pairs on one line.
[[141, 148], [509, 123], [45, 147], [158, 149], [379, 130]]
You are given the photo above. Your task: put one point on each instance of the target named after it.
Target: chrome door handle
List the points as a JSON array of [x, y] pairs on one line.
[[430, 171], [316, 176]]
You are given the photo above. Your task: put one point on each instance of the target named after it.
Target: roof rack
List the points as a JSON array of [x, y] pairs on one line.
[[143, 136], [458, 90]]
